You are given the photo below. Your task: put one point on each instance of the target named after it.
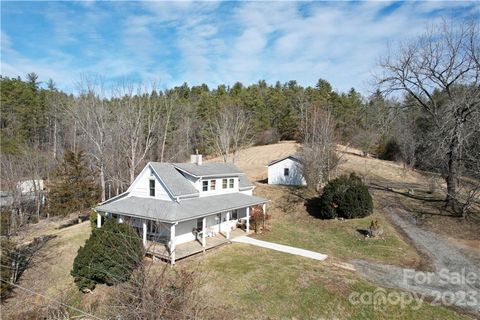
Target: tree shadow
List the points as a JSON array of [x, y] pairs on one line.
[[314, 208], [363, 232], [22, 258]]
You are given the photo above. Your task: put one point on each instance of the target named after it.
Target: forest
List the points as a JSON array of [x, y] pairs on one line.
[[424, 111]]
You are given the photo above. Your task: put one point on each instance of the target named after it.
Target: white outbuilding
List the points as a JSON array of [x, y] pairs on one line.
[[287, 171]]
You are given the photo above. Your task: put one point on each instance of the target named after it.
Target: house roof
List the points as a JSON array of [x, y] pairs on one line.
[[171, 211], [209, 169], [174, 181], [294, 157], [244, 183]]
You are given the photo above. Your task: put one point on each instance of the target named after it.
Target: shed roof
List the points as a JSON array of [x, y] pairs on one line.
[[171, 211], [294, 157]]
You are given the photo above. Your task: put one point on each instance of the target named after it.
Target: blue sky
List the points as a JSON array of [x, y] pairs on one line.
[[211, 42]]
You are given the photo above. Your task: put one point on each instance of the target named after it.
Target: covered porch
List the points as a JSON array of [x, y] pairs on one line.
[[174, 230], [158, 250]]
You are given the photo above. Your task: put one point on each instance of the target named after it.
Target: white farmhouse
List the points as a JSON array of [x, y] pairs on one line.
[[180, 209], [287, 171]]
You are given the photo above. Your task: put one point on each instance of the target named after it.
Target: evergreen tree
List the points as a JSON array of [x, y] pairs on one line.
[[109, 256], [75, 188]]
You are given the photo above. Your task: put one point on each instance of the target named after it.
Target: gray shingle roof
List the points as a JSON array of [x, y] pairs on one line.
[[170, 211], [174, 180], [295, 157], [209, 169], [244, 183]]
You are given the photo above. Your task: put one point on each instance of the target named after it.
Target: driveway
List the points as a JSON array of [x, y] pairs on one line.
[[281, 248], [456, 276]]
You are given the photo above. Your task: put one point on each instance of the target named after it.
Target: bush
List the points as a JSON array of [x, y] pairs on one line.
[[390, 151], [346, 197], [109, 256]]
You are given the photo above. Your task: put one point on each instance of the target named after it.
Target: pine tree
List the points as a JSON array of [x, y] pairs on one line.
[[75, 188]]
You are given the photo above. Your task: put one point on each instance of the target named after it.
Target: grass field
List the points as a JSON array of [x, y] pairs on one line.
[[255, 283]]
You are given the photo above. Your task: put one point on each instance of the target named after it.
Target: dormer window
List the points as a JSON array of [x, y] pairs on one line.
[[231, 183], [212, 184], [152, 187], [205, 185], [224, 183]]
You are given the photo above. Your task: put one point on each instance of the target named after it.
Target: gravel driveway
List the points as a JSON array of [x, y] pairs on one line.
[[456, 276]]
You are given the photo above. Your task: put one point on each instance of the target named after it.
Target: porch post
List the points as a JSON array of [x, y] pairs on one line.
[[99, 220], [144, 232], [264, 211], [228, 224], [204, 227], [248, 220], [172, 244]]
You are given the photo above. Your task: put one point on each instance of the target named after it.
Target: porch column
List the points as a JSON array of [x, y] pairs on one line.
[[99, 220], [228, 224], [172, 244], [204, 230], [248, 220], [144, 232], [264, 211]]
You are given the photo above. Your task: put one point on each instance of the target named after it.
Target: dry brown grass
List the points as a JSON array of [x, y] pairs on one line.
[[49, 273]]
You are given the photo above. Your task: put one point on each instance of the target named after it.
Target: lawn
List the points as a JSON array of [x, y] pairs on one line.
[[293, 225], [251, 283]]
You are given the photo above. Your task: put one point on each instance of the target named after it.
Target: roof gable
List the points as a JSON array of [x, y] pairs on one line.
[[293, 157]]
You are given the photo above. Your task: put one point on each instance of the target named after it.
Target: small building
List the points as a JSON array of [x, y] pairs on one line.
[[287, 171], [180, 209]]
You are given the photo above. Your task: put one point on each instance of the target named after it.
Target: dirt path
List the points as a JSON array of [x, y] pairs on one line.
[[456, 276]]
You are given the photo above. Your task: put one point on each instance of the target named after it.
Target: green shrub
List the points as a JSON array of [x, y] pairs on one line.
[[390, 151], [346, 197], [109, 256]]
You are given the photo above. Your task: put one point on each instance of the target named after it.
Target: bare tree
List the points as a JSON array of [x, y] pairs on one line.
[[318, 152], [93, 115], [440, 71], [137, 118], [230, 130]]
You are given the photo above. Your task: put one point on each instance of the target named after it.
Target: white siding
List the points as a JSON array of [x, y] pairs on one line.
[[218, 186], [141, 186], [276, 173], [248, 192], [183, 231]]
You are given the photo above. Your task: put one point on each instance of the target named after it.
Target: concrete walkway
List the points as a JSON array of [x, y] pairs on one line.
[[281, 248]]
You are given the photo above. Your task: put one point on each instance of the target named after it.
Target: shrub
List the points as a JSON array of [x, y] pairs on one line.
[[346, 197], [390, 151], [109, 256]]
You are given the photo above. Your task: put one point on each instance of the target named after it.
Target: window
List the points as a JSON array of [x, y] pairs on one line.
[[286, 172], [234, 215], [224, 183], [231, 182], [152, 188], [199, 224], [205, 185], [213, 184]]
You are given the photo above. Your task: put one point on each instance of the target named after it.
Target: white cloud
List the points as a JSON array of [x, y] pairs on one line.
[[214, 43]]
